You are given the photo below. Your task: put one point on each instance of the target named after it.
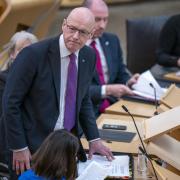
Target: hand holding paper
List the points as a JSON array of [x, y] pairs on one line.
[[143, 88]]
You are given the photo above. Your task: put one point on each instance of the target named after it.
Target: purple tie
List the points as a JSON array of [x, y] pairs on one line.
[[70, 99], [105, 103]]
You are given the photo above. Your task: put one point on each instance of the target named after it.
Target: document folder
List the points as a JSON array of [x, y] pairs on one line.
[[116, 135]]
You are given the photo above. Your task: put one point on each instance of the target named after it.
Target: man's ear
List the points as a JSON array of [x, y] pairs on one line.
[[92, 34], [63, 25]]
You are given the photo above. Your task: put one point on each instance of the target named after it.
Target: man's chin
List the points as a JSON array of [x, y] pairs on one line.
[[97, 35]]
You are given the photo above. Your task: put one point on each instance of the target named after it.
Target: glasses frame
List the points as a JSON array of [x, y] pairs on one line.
[[72, 29]]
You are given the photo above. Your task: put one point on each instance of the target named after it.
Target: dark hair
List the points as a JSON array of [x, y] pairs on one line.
[[56, 157]]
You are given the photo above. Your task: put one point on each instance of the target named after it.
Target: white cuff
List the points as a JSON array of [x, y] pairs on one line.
[[103, 91], [94, 140], [18, 150]]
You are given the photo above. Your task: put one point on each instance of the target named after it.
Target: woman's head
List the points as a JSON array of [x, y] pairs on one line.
[[19, 41], [56, 157]]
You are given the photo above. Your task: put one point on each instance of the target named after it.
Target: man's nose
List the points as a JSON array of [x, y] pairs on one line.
[[102, 24], [76, 34]]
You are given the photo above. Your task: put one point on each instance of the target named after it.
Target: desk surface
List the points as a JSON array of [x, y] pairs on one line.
[[138, 109], [159, 71], [120, 120], [129, 147]]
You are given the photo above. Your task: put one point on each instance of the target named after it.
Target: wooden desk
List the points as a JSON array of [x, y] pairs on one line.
[[163, 174], [159, 71], [121, 120], [136, 108]]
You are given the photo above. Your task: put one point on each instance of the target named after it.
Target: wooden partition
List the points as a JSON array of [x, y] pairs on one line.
[[21, 15]]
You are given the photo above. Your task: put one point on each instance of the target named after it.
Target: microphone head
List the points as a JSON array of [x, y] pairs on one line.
[[125, 108], [151, 85], [156, 113]]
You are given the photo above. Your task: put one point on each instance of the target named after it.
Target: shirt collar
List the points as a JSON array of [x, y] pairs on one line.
[[91, 40], [63, 50]]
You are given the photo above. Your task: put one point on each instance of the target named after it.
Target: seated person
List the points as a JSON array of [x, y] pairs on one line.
[[168, 52], [18, 41], [55, 158], [111, 79]]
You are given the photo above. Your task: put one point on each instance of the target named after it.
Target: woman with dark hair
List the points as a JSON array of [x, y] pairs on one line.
[[55, 159]]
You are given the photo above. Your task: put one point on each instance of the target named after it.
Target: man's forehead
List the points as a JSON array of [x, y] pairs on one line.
[[79, 23]]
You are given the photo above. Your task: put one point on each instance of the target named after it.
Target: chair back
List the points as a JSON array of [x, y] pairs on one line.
[[142, 40]]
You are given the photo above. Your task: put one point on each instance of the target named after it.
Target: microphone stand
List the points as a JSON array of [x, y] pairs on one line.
[[143, 147], [156, 102]]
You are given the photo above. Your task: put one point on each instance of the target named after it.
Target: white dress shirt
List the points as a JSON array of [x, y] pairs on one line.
[[64, 54]]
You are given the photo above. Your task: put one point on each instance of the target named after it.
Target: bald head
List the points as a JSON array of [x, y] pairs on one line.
[[95, 4], [100, 10], [77, 28], [82, 15]]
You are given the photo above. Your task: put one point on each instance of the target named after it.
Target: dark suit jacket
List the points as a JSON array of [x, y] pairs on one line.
[[117, 70], [3, 145], [168, 51], [3, 75], [32, 94]]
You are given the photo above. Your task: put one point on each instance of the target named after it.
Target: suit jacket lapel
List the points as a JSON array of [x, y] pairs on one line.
[[107, 52], [81, 68], [54, 59]]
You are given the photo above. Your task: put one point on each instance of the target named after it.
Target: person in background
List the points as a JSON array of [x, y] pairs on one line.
[[168, 51], [48, 89], [17, 42], [55, 158], [111, 79]]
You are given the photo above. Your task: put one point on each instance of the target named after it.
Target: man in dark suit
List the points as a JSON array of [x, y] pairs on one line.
[[168, 51], [48, 89], [111, 79]]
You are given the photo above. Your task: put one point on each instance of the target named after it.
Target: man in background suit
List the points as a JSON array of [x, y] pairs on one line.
[[111, 81], [48, 89]]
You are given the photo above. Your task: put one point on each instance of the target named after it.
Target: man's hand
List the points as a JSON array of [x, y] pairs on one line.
[[133, 80], [118, 90], [98, 147], [21, 161]]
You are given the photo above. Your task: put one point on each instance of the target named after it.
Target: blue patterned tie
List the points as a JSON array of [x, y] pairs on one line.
[[70, 99]]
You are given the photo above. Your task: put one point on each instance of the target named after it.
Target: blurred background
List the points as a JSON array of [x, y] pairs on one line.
[[44, 17]]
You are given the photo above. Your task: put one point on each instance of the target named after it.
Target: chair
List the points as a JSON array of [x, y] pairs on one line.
[[142, 38]]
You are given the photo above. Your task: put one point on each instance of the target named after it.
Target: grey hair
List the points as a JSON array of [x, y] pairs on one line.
[[22, 35], [10, 46]]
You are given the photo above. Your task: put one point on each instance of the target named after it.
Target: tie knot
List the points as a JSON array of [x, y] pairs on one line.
[[93, 43], [72, 57]]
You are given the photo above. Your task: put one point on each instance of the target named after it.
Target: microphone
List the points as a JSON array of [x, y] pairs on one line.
[[155, 100], [143, 147]]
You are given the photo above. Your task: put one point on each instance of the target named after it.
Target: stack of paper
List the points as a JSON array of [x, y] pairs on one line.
[[99, 168], [143, 88]]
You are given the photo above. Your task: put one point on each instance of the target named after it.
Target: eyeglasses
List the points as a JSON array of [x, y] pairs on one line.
[[73, 30]]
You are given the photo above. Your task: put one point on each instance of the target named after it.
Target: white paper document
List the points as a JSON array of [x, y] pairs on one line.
[[143, 88], [99, 167]]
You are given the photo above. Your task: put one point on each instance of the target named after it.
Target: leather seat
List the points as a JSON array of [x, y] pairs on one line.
[[142, 39]]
